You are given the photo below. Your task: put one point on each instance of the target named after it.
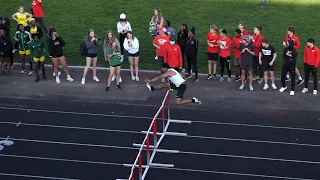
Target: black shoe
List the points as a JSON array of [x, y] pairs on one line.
[[237, 79], [107, 89], [209, 77], [119, 87], [3, 73], [195, 80], [188, 76], [44, 77], [9, 74], [300, 82], [37, 79], [12, 65]]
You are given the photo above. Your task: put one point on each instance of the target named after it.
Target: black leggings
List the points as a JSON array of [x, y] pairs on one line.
[[192, 63], [121, 40], [223, 62], [182, 48], [39, 65], [42, 24], [288, 67], [314, 71], [257, 68]]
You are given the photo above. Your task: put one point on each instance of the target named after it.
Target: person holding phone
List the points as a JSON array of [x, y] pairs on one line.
[[131, 44], [114, 60], [246, 61], [123, 27]]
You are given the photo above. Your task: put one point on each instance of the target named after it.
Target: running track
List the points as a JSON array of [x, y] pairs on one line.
[[60, 140]]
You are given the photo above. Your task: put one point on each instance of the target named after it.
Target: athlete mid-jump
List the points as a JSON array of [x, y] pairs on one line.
[[176, 82]]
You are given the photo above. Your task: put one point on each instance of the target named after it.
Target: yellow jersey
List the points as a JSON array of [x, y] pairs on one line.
[[22, 19]]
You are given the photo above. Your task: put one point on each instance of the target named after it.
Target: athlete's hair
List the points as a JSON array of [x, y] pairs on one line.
[[214, 27], [265, 41], [292, 29], [130, 32], [165, 65], [89, 31], [224, 31], [238, 31], [258, 27], [241, 23], [159, 15], [310, 40], [108, 41]]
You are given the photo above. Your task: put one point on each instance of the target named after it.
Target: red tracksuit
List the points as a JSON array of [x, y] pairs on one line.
[[173, 56]]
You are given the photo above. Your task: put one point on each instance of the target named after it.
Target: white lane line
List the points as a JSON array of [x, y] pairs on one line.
[[188, 136], [232, 173], [7, 138], [176, 169], [33, 176], [148, 118], [183, 152], [19, 123]]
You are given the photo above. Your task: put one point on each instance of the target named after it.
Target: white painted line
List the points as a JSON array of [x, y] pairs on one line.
[[33, 176], [58, 159], [180, 121], [148, 118], [158, 150], [19, 123], [139, 145], [161, 165], [232, 173], [167, 133], [131, 165], [7, 138]]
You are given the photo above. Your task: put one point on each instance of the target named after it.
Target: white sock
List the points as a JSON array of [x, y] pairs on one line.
[[300, 78], [68, 76]]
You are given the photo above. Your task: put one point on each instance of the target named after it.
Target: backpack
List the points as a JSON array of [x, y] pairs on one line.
[[83, 49]]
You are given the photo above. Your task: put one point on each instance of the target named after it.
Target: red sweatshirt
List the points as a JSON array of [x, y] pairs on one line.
[[161, 41], [244, 32], [236, 41], [37, 9], [173, 56], [257, 43], [311, 56], [225, 47], [296, 45]]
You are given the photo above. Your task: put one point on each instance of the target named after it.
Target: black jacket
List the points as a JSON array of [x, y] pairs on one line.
[[55, 47], [5, 46], [192, 47], [289, 53], [39, 31], [182, 38]]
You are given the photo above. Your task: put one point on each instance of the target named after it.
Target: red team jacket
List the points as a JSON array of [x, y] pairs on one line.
[[236, 41], [257, 43], [161, 41], [173, 56], [296, 45], [311, 56]]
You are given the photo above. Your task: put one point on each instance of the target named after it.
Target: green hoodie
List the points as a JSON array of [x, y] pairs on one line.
[[24, 38], [34, 48]]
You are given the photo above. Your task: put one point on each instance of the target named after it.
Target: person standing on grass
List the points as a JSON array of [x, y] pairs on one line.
[[176, 82], [38, 14], [289, 57], [213, 49], [123, 27], [181, 41], [192, 54], [156, 23], [160, 42], [23, 38], [34, 28], [225, 52], [131, 44], [236, 42], [5, 47], [114, 60], [92, 44], [7, 26], [246, 61], [55, 44], [241, 27], [106, 44], [256, 40], [291, 36], [170, 30], [37, 49], [172, 55], [311, 60], [267, 56]]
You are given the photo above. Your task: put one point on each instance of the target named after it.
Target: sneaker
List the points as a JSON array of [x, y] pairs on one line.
[[113, 78], [291, 93], [133, 78], [300, 82], [156, 57], [260, 81], [69, 78], [83, 81], [221, 79], [315, 92], [196, 100], [37, 79], [229, 80], [23, 72], [119, 87], [214, 77], [188, 76], [183, 70], [96, 79], [148, 86], [120, 80], [241, 87], [14, 51], [282, 89], [196, 80], [237, 79], [30, 73], [107, 89], [58, 80], [251, 87], [255, 78], [12, 65], [44, 77], [274, 87], [265, 87], [137, 78], [54, 74], [209, 77], [304, 90]]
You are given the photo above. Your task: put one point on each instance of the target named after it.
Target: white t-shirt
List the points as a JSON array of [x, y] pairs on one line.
[[126, 27], [177, 79]]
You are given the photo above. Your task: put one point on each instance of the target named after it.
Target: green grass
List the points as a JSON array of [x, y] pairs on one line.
[[74, 17]]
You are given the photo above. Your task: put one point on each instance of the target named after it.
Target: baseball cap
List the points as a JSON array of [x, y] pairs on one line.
[[123, 16], [163, 29], [246, 38]]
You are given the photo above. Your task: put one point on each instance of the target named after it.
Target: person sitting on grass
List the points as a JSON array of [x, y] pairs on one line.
[[176, 82], [37, 48], [267, 56], [114, 59]]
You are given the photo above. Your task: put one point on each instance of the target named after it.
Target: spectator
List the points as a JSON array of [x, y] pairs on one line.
[[267, 56], [38, 13], [289, 56], [311, 62], [123, 27], [192, 54], [172, 55], [7, 26], [37, 48], [236, 41], [241, 27], [34, 28], [246, 62], [170, 30], [115, 64], [55, 44], [131, 44], [225, 52], [106, 44], [92, 44], [213, 49], [157, 18], [291, 36], [23, 38], [5, 47], [256, 40], [181, 41], [21, 16], [160, 42]]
